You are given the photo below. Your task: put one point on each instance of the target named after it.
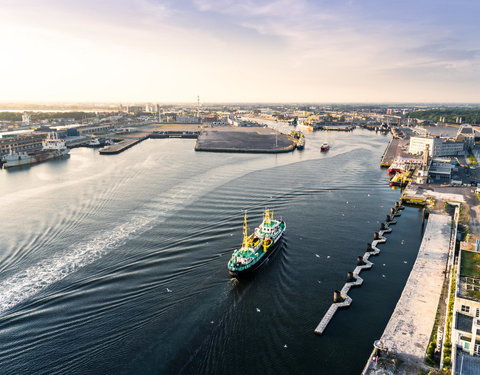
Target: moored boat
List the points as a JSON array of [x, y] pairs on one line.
[[256, 247], [52, 148], [299, 139], [398, 166]]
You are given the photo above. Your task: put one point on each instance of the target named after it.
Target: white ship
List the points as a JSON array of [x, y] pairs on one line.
[[52, 148]]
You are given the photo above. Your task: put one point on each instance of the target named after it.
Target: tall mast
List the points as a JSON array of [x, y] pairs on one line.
[[198, 106], [245, 231]]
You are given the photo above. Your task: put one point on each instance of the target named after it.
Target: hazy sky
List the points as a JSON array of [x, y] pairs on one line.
[[229, 50]]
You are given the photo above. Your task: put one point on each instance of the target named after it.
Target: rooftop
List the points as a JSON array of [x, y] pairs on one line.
[[470, 265], [469, 279]]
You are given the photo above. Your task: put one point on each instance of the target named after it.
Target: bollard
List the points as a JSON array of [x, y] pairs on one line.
[[360, 261], [337, 297]]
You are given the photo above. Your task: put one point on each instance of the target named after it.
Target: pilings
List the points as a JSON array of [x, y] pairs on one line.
[[341, 298]]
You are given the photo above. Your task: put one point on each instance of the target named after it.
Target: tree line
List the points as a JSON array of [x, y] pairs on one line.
[[470, 116], [17, 116]]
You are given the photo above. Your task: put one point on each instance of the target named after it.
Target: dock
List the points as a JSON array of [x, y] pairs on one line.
[[390, 153], [408, 331], [127, 142], [338, 128], [415, 195], [341, 298]]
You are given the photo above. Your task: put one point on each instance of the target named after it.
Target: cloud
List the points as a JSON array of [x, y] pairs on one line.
[[270, 49]]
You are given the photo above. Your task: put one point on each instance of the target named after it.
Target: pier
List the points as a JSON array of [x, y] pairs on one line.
[[390, 153], [127, 142], [408, 331], [341, 298]]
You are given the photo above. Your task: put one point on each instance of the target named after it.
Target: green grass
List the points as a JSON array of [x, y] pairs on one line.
[[470, 264], [447, 347], [474, 294], [471, 157]]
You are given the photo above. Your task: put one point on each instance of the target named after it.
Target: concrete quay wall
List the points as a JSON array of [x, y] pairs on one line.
[[408, 331]]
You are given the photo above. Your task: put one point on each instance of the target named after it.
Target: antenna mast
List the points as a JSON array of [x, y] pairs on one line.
[[198, 106]]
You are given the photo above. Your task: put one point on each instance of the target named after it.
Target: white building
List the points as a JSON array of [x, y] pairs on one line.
[[436, 146], [466, 134], [466, 315], [26, 118]]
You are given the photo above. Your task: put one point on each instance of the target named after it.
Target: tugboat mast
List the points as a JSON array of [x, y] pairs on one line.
[[245, 231]]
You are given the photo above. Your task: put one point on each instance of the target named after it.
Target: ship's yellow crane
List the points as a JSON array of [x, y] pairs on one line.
[[268, 216]]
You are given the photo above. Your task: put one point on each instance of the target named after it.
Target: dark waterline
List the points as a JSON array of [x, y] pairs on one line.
[[118, 264]]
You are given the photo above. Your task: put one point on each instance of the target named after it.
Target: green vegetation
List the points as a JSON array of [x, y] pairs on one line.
[[471, 116], [474, 294], [470, 264], [471, 157], [430, 358], [10, 116], [447, 346], [17, 116], [430, 353], [60, 115], [463, 216]]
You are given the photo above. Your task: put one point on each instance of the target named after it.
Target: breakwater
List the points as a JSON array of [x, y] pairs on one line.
[[341, 298]]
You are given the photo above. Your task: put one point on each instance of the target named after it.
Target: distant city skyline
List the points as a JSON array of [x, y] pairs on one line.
[[240, 51]]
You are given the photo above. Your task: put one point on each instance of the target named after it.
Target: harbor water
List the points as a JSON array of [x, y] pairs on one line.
[[118, 264]]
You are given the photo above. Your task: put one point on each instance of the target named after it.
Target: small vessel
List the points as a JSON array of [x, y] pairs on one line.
[[94, 142], [97, 142], [256, 247], [397, 166], [52, 148], [400, 179], [299, 139], [324, 147]]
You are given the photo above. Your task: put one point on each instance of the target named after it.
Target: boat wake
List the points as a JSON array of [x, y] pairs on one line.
[[32, 280]]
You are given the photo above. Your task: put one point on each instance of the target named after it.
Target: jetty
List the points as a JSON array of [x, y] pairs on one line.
[[341, 298], [408, 331], [128, 141], [390, 153], [338, 128]]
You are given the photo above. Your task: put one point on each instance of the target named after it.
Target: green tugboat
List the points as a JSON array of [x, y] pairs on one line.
[[256, 247]]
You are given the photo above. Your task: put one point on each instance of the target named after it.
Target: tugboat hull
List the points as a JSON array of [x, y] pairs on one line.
[[257, 265], [248, 271]]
